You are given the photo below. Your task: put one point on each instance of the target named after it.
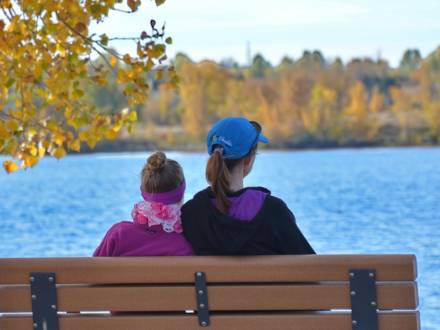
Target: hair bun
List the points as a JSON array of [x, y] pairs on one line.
[[156, 161]]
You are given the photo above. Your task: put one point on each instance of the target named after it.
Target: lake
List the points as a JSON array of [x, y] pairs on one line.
[[384, 200]]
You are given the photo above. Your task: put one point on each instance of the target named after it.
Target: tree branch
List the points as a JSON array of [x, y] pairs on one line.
[[122, 10], [90, 42], [6, 14], [125, 38]]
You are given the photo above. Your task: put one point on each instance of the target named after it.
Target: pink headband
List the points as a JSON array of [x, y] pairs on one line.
[[169, 197]]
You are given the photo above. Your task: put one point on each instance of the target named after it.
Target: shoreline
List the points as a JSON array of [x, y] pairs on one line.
[[119, 146]]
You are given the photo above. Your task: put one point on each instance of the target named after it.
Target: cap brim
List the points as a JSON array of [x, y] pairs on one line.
[[262, 138]]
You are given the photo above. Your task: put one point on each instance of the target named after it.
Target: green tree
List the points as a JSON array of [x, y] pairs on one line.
[[259, 66], [410, 61]]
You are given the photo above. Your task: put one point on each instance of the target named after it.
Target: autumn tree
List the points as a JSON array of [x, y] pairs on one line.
[[403, 109], [47, 62], [202, 92], [428, 77], [294, 91], [432, 113], [268, 113], [375, 106], [241, 99], [356, 112], [321, 117]]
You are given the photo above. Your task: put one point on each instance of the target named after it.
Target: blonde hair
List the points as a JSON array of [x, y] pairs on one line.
[[161, 174]]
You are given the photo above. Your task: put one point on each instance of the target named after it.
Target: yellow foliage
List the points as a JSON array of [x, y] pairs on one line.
[[357, 111], [41, 151], [4, 132], [75, 145], [45, 48], [320, 118], [10, 166], [59, 152], [132, 116]]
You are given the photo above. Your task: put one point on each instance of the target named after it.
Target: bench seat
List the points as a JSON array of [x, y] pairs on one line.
[[313, 292]]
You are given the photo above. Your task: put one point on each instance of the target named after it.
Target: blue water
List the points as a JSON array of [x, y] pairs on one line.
[[345, 201]]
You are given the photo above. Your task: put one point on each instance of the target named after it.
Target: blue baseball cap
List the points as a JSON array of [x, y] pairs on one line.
[[235, 135]]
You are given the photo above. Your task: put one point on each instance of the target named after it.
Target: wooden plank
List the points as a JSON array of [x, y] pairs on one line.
[[340, 321], [221, 298], [306, 268]]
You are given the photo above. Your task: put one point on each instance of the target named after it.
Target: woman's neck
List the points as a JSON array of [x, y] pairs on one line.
[[236, 182]]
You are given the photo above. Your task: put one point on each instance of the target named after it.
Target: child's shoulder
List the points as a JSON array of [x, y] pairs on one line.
[[116, 228]]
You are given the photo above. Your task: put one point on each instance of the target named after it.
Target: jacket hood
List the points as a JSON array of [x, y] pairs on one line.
[[219, 231]]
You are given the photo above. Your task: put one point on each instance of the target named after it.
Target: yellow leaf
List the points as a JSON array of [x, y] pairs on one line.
[[80, 27], [10, 166], [111, 134], [104, 39], [59, 153], [4, 134], [132, 116], [133, 4], [32, 150], [12, 126], [11, 146], [78, 93], [31, 132], [52, 125], [45, 144], [113, 60], [159, 2], [30, 161], [59, 139], [68, 113], [76, 145], [127, 59], [41, 151], [91, 141], [82, 136]]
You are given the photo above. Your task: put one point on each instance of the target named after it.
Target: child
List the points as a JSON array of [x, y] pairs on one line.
[[156, 227]]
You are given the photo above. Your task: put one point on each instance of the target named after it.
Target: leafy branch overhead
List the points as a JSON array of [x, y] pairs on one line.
[[49, 59]]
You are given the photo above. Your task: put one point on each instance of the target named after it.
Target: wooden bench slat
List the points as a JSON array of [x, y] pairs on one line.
[[218, 269], [221, 297], [340, 321]]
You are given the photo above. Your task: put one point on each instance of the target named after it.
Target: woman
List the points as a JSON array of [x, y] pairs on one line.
[[228, 219]]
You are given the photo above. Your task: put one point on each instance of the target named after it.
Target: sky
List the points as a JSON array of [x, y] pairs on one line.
[[221, 29]]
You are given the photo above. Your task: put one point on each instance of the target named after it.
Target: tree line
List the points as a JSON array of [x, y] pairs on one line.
[[310, 101]]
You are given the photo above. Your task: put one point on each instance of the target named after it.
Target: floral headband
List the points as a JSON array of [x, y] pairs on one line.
[[160, 209]]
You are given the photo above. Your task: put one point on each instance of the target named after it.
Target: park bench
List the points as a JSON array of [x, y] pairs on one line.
[[315, 292]]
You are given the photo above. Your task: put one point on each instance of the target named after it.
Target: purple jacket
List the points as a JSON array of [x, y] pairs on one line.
[[128, 239]]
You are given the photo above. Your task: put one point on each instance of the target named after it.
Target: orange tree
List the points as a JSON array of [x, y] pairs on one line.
[[47, 62]]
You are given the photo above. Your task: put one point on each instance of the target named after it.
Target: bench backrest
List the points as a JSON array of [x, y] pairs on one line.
[[264, 292]]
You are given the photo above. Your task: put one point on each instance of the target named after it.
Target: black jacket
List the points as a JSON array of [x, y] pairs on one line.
[[272, 231]]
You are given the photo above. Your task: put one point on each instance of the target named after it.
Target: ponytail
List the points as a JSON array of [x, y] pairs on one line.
[[217, 174]]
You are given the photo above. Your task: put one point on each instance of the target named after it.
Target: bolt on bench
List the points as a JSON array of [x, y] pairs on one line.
[[314, 292]]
